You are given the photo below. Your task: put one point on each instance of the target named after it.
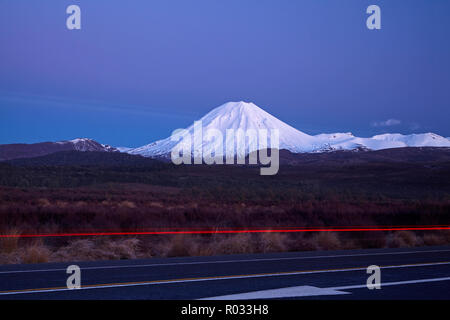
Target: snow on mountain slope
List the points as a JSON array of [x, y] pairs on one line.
[[86, 144], [245, 116], [22, 150], [415, 140], [384, 141], [236, 115], [124, 149]]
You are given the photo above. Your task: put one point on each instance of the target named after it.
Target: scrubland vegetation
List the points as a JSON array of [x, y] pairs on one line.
[[50, 199], [146, 208]]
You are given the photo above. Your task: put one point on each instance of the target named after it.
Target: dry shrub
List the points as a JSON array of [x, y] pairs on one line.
[[273, 242], [402, 239], [127, 204], [446, 235], [368, 239], [10, 258], [43, 202], [88, 250], [205, 250], [328, 241], [36, 253], [62, 204], [437, 238], [299, 242], [10, 244], [156, 204], [77, 250], [240, 243], [179, 246], [123, 249], [350, 244], [434, 240]]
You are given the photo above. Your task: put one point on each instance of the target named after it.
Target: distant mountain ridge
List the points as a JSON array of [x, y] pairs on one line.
[[237, 115], [411, 155], [22, 150], [244, 115]]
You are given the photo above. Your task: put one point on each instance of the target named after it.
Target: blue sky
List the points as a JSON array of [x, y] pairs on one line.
[[139, 69]]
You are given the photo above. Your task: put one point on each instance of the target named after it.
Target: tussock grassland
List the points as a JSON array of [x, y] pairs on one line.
[[107, 248], [136, 208], [344, 190]]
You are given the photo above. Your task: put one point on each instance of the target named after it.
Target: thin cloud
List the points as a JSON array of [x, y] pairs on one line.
[[386, 123]]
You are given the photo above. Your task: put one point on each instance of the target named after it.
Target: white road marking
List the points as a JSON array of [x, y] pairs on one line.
[[228, 261], [263, 275], [306, 291], [291, 292], [396, 283]]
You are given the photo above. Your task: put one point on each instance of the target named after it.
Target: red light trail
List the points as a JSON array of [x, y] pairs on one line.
[[175, 232]]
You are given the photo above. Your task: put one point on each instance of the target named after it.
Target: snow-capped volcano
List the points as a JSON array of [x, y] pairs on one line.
[[236, 115], [247, 116]]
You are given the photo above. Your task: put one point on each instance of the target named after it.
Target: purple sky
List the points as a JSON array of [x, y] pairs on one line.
[[137, 70]]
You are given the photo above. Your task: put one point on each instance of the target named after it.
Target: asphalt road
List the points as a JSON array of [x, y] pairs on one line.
[[406, 273]]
